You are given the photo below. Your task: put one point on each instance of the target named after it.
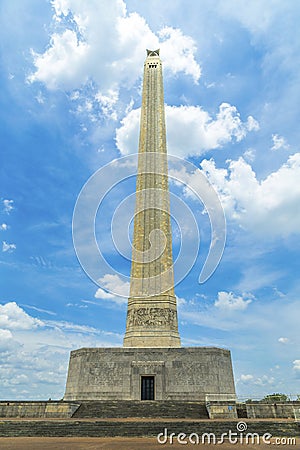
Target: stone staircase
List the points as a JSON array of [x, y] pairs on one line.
[[129, 408], [138, 428], [140, 418]]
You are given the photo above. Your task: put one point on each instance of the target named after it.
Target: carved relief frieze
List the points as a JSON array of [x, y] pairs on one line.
[[151, 317]]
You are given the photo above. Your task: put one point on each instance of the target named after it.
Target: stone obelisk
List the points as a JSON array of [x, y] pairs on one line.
[[152, 365], [152, 311]]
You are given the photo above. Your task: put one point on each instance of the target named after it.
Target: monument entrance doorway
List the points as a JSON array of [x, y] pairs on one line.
[[147, 388]]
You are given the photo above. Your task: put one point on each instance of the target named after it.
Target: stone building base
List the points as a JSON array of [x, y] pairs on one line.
[[186, 373]]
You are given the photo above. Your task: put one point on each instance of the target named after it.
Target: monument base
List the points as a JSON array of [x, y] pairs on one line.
[[186, 374]]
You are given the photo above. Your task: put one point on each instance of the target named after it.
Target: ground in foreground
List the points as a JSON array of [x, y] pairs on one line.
[[38, 443]]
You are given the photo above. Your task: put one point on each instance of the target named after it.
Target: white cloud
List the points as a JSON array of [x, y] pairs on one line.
[[19, 379], [65, 57], [252, 124], [8, 205], [7, 343], [180, 301], [46, 311], [38, 351], [179, 51], [249, 155], [227, 301], [296, 365], [5, 334], [283, 340], [248, 332], [106, 47], [40, 98], [257, 322], [100, 293], [127, 134], [107, 103], [269, 206], [12, 317], [3, 227], [246, 378], [264, 380], [8, 247], [279, 142], [70, 327], [118, 289], [190, 129]]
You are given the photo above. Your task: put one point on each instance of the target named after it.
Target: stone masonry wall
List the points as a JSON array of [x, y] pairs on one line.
[[188, 373]]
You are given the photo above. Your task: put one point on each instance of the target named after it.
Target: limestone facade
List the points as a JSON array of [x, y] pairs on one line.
[[186, 373]]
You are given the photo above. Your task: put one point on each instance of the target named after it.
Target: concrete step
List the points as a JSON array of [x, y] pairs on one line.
[[124, 408], [136, 428]]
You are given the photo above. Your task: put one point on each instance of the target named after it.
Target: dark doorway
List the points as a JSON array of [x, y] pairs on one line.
[[147, 388]]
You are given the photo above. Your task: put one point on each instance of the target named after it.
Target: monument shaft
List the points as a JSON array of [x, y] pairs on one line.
[[152, 311], [152, 365]]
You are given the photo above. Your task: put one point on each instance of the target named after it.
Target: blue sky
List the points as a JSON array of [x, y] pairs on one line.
[[70, 97]]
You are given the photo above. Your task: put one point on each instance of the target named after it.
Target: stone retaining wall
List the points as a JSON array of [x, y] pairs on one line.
[[46, 409], [289, 410]]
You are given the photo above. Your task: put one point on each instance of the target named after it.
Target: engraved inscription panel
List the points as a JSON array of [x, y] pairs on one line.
[[188, 374], [107, 374]]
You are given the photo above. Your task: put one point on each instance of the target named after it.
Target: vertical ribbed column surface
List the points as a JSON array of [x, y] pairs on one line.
[[152, 311]]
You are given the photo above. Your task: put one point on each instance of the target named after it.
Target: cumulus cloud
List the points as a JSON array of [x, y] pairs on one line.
[[283, 340], [8, 205], [38, 351], [264, 380], [3, 227], [268, 206], [58, 64], [190, 129], [100, 293], [107, 103], [7, 343], [249, 155], [8, 247], [118, 290], [179, 51], [200, 132], [108, 48], [279, 142], [5, 334], [246, 378], [127, 134], [12, 317], [227, 301], [296, 365]]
